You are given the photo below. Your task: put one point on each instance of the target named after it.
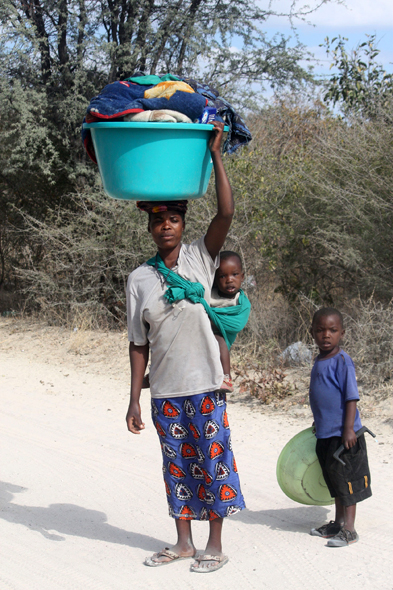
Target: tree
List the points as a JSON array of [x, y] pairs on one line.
[[314, 206], [121, 36], [360, 83], [56, 55]]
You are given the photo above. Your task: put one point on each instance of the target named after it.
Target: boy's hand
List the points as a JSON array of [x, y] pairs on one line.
[[349, 438], [134, 419], [216, 137], [314, 430]]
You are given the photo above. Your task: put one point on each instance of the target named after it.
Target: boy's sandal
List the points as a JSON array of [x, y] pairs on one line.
[[331, 529], [343, 538], [171, 555], [217, 562]]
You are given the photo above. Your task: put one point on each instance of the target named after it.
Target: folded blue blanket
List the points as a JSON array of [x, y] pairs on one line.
[[124, 97]]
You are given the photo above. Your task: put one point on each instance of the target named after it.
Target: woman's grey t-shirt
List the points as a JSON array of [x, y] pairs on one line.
[[185, 358]]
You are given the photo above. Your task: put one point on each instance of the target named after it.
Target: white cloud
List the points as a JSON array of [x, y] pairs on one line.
[[367, 14]]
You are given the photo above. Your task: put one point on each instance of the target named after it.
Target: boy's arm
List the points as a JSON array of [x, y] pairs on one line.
[[220, 224], [139, 356], [349, 437]]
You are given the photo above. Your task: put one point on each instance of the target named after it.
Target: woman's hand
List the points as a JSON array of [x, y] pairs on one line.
[[134, 418], [216, 137], [138, 360]]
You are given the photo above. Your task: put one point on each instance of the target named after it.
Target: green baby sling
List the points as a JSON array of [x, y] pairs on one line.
[[229, 320]]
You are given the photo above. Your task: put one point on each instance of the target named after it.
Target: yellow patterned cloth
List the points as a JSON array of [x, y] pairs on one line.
[[166, 89]]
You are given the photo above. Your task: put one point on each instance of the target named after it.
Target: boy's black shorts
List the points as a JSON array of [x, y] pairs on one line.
[[350, 482]]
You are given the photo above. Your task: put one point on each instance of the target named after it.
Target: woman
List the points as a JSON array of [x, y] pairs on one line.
[[200, 473]]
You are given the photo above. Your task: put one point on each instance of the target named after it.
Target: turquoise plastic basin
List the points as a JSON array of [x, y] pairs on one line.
[[299, 473], [153, 161]]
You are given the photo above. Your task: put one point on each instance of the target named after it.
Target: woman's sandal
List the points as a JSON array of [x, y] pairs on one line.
[[227, 385], [172, 556], [218, 562]]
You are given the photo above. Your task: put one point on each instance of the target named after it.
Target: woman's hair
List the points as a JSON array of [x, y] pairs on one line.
[[160, 206]]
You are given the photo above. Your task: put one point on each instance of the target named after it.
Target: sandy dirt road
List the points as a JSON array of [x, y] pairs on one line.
[[83, 502]]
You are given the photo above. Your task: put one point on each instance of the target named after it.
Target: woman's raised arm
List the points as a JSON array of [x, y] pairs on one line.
[[220, 224]]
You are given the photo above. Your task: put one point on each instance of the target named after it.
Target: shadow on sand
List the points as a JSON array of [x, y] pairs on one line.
[[68, 519], [299, 519]]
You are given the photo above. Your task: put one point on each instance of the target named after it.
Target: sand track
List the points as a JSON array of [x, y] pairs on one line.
[[82, 500]]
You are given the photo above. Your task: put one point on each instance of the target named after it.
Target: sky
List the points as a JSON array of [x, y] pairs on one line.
[[352, 19]]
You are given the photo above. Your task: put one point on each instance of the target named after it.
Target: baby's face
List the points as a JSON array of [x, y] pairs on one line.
[[229, 277]]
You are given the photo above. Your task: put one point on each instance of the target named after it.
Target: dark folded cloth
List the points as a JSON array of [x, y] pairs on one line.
[[238, 133]]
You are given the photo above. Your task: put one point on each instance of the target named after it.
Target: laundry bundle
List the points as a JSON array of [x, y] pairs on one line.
[[166, 98]]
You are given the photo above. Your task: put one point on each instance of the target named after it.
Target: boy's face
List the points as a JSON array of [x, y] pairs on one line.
[[327, 332], [229, 277]]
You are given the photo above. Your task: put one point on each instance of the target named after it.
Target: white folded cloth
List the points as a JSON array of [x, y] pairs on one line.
[[160, 115]]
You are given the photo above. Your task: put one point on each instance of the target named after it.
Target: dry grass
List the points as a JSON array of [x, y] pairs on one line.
[[265, 386], [106, 352]]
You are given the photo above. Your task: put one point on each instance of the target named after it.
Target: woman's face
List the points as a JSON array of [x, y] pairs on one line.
[[166, 229]]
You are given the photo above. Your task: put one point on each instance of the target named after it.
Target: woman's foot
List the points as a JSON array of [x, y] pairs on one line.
[[212, 558], [206, 563], [169, 555]]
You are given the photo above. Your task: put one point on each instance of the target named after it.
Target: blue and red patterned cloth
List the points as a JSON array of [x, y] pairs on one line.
[[200, 473]]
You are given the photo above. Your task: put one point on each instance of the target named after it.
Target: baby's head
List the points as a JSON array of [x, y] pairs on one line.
[[327, 329], [229, 275]]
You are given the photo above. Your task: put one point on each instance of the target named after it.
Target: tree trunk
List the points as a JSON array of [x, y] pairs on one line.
[[34, 13]]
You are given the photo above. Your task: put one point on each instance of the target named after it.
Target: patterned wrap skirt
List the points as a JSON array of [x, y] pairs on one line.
[[200, 473]]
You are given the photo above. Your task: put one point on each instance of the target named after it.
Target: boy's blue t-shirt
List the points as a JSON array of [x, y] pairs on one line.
[[332, 384]]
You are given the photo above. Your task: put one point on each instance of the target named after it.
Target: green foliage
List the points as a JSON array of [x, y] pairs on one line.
[[54, 56], [85, 257], [53, 40], [313, 198], [361, 82]]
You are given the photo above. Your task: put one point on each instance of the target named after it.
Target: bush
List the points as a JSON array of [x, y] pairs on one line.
[[85, 257], [312, 201]]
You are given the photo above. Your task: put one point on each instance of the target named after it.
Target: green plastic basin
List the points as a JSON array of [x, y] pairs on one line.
[[299, 473], [153, 161]]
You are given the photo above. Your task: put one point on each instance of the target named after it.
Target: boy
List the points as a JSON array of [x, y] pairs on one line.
[[225, 293], [333, 397]]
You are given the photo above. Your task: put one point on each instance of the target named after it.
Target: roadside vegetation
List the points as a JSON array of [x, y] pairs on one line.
[[313, 190]]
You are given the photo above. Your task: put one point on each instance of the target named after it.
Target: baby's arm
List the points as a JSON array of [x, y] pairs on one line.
[[224, 355], [139, 356], [349, 437]]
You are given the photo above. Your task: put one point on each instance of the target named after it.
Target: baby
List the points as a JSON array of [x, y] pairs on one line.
[[225, 293]]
